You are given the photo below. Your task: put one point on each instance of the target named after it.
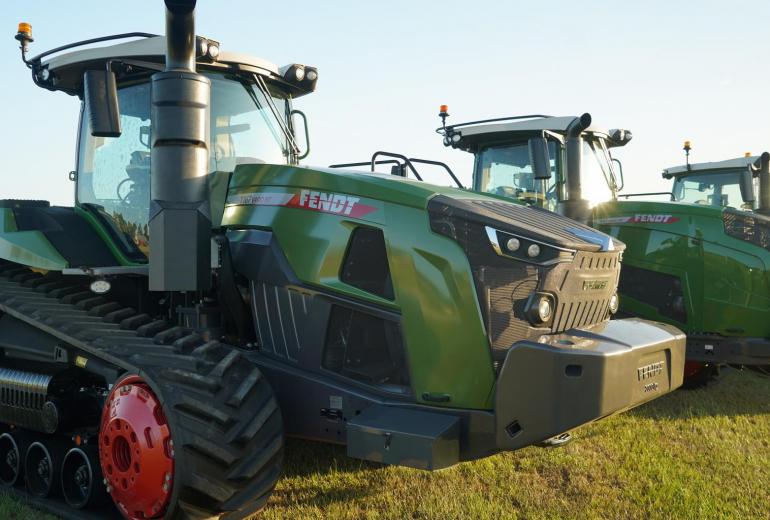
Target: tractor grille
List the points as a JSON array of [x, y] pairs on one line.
[[584, 293], [748, 227], [582, 287]]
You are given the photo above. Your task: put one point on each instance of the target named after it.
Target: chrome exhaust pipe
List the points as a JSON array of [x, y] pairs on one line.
[[764, 184], [180, 220]]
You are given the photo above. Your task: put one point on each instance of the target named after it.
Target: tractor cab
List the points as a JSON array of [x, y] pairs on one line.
[[250, 123], [525, 158], [698, 260], [732, 183]]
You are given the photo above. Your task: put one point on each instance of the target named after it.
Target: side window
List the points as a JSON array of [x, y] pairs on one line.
[[506, 170], [114, 172]]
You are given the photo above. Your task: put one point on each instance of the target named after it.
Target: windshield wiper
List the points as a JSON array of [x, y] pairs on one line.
[[276, 113]]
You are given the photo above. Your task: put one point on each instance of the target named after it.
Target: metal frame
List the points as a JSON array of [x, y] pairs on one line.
[[407, 161], [443, 129]]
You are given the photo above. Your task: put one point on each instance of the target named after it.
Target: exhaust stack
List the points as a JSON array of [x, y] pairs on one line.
[[575, 207], [180, 221], [764, 184]]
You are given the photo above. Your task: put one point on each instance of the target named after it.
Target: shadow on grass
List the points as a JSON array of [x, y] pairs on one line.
[[735, 392], [304, 458], [322, 474]]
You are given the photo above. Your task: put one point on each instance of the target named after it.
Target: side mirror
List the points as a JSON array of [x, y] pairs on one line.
[[747, 185], [538, 155], [100, 92], [307, 132]]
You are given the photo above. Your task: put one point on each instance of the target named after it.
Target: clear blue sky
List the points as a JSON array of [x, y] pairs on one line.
[[668, 71]]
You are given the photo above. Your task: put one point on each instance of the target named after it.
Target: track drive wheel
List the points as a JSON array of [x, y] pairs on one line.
[[136, 451], [204, 440]]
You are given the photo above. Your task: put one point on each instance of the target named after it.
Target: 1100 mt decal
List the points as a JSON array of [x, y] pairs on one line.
[[640, 218], [322, 201]]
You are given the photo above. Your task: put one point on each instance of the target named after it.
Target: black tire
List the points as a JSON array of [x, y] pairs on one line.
[[224, 419], [227, 431]]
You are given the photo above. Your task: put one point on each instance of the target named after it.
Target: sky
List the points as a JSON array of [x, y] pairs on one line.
[[666, 70]]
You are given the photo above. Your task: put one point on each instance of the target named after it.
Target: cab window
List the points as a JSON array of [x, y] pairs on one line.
[[506, 170]]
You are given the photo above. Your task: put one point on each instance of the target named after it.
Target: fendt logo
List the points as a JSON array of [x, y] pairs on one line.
[[330, 202], [650, 371], [654, 219], [594, 285]]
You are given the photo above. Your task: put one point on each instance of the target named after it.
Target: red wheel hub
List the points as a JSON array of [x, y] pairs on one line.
[[692, 368], [136, 451]]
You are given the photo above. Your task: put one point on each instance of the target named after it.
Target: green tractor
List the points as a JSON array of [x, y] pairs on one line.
[[700, 261], [207, 296], [734, 183]]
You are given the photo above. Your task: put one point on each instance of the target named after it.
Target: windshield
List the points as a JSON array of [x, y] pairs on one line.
[[114, 173], [506, 170], [598, 181], [716, 188]]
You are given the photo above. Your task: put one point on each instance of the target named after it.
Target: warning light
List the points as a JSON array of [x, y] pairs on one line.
[[25, 29], [444, 109], [687, 146], [747, 154]]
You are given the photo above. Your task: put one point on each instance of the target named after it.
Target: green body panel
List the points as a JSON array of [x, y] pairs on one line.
[[30, 248], [99, 228], [726, 280], [445, 342]]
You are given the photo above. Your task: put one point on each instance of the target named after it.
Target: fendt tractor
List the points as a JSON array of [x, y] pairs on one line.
[[700, 261], [734, 183], [207, 296]]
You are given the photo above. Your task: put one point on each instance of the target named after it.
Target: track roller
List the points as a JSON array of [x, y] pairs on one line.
[[81, 478], [13, 446], [42, 466]]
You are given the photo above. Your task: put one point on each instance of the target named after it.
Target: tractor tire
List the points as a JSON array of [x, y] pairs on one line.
[[222, 424], [229, 430]]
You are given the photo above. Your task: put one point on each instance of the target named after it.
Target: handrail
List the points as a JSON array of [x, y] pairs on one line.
[[627, 195], [39, 57], [401, 161], [404, 158], [443, 129], [443, 165], [364, 163]]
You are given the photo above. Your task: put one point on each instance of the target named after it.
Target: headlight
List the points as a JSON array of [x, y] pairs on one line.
[[614, 303], [526, 249], [540, 309], [544, 309]]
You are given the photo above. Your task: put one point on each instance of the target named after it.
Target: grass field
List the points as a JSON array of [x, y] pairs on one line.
[[692, 454]]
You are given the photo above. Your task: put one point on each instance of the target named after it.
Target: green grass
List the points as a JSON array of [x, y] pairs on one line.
[[692, 454], [12, 509]]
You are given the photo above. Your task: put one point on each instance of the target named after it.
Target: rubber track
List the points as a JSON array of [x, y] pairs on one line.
[[225, 422]]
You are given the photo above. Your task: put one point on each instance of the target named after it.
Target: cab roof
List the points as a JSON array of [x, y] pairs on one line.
[[480, 131], [67, 68], [534, 124], [737, 163]]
